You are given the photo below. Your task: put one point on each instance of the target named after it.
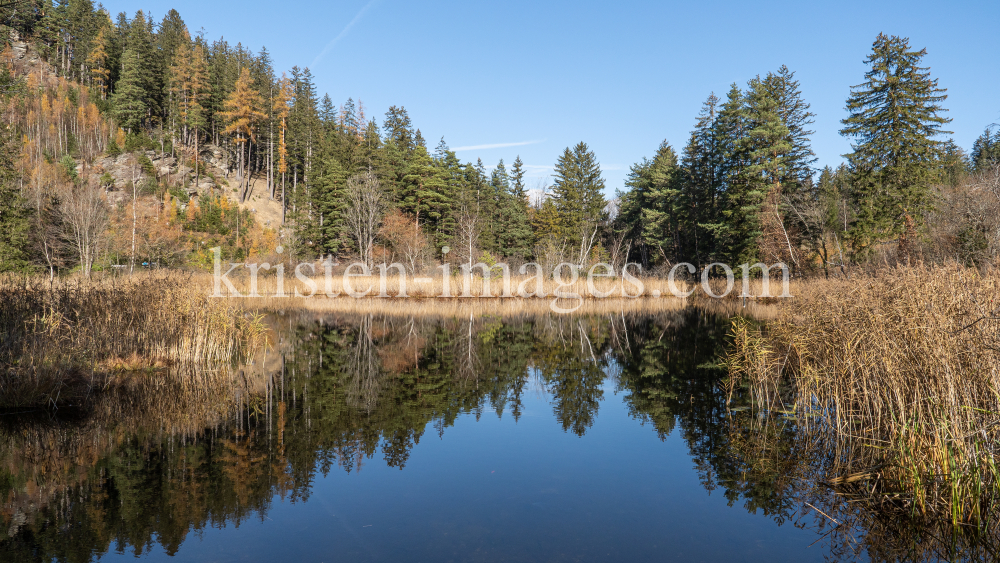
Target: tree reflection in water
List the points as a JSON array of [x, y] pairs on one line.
[[131, 469]]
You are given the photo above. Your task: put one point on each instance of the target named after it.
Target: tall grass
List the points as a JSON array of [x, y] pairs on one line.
[[68, 337], [903, 369]]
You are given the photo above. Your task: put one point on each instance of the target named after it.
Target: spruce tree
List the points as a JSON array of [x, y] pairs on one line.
[[664, 216], [129, 103], [986, 150], [702, 184], [399, 129], [768, 147], [578, 193], [517, 239], [14, 224], [330, 202], [894, 119], [794, 112]]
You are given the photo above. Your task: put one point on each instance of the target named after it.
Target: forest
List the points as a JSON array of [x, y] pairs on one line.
[[132, 142]]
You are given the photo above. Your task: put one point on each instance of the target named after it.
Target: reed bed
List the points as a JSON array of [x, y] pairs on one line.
[[58, 340], [902, 369]]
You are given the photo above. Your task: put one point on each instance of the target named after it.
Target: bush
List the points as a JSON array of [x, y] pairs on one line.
[[179, 193], [146, 164], [69, 165]]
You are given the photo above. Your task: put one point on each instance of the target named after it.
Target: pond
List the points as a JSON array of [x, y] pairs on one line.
[[381, 438]]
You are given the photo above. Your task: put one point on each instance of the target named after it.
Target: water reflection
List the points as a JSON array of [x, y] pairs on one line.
[[163, 458]]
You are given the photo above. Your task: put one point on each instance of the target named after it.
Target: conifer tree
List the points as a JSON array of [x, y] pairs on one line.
[[768, 148], [242, 115], [149, 72], [702, 185], [986, 150], [281, 109], [894, 119], [794, 112], [330, 200], [663, 214], [97, 61], [577, 194], [14, 218], [424, 193], [515, 237], [399, 129], [130, 107]]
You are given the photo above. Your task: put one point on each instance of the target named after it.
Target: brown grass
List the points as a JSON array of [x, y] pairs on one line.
[[64, 339], [903, 369]]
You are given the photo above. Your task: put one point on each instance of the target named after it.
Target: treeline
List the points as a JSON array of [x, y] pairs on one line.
[[744, 187]]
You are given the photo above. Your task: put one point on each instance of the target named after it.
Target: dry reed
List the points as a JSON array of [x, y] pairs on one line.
[[903, 370], [70, 336]]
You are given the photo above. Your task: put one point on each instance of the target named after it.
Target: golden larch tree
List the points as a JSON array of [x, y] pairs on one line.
[[243, 115]]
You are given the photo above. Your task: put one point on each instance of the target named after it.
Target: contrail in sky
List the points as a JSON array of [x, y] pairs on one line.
[[342, 33], [495, 146]]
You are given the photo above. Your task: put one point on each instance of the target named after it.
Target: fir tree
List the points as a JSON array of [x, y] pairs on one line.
[[894, 117]]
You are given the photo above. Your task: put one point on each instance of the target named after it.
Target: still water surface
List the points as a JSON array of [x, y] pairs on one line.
[[562, 438]]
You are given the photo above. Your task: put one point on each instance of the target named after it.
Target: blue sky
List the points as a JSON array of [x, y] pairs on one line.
[[533, 77]]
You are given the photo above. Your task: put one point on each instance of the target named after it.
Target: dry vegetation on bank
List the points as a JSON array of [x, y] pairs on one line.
[[903, 370], [62, 340]]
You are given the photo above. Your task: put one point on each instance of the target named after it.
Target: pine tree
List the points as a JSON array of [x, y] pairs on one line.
[[577, 194], [545, 222], [894, 117]]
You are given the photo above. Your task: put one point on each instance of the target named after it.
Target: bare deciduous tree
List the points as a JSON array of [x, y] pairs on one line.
[[406, 238], [84, 211], [467, 233], [366, 203]]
